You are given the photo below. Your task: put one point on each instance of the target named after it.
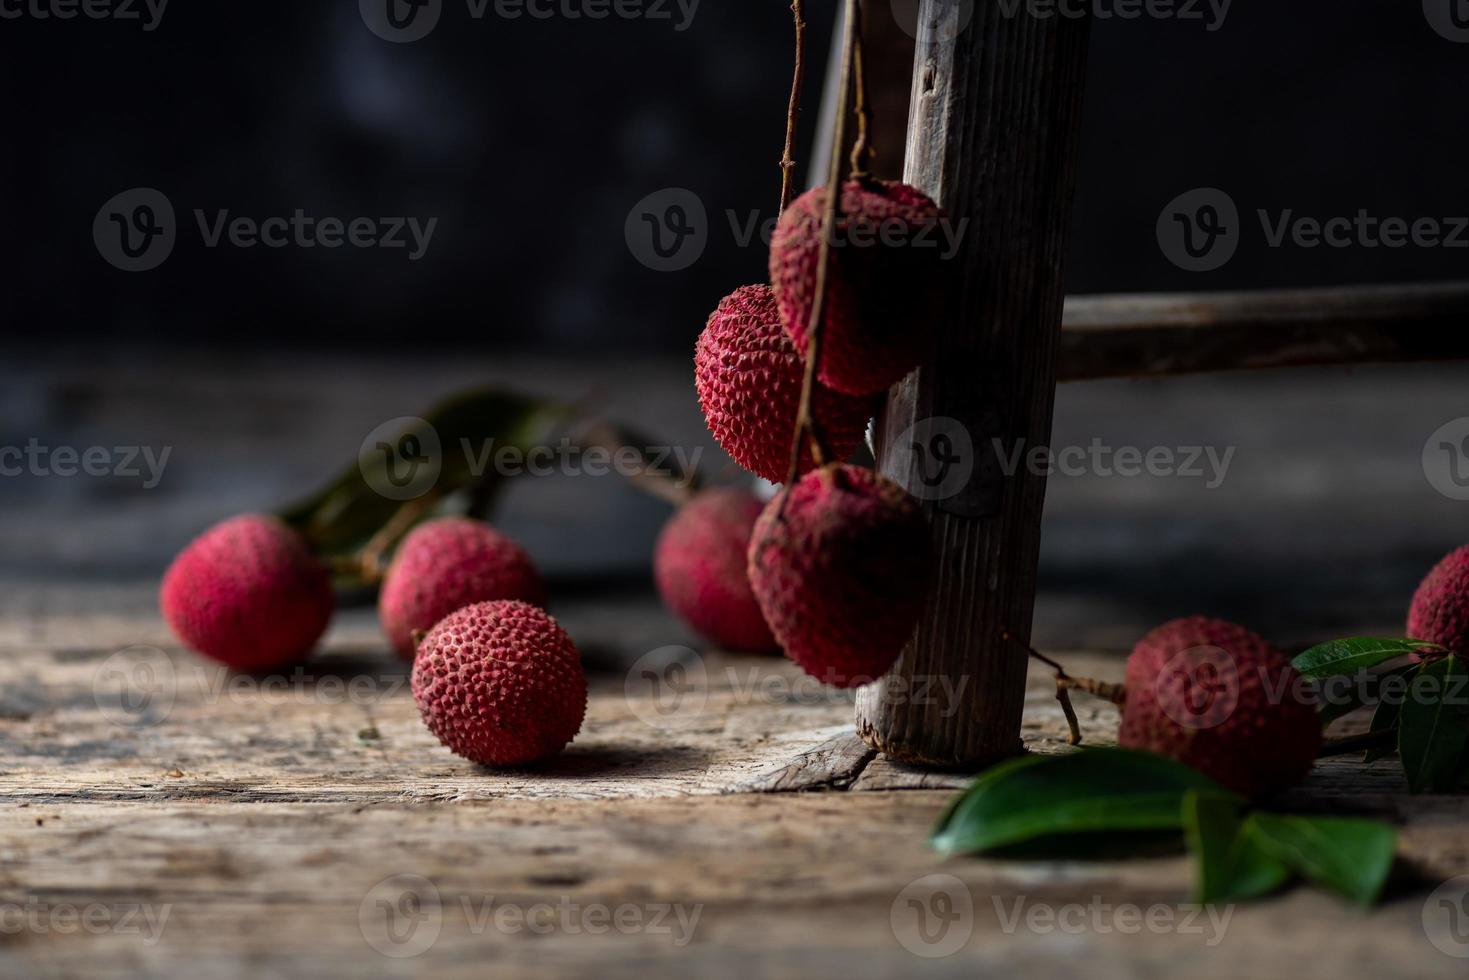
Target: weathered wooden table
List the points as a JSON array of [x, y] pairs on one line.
[[159, 816]]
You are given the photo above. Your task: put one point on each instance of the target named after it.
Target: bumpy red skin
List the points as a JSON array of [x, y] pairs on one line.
[[700, 567], [445, 565], [882, 298], [842, 575], [1266, 743], [500, 683], [748, 375], [248, 593], [1440, 610]]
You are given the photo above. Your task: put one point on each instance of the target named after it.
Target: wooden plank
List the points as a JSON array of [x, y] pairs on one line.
[[992, 137], [1184, 333]]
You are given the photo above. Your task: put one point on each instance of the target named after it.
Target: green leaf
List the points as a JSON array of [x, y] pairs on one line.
[[1390, 707], [468, 429], [1344, 854], [1229, 865], [1339, 657], [1038, 798], [1433, 726]]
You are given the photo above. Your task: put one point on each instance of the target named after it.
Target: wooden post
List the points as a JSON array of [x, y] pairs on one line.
[[996, 103]]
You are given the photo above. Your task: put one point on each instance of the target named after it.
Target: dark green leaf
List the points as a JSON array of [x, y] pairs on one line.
[[1346, 855], [1392, 692], [1094, 790], [1433, 726], [1338, 657], [1229, 865], [468, 430]]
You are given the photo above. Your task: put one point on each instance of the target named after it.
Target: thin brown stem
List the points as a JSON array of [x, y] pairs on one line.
[[793, 111], [370, 560], [1063, 689], [805, 424], [862, 148]]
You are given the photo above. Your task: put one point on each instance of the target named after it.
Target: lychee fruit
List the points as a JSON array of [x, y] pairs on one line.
[[749, 375], [883, 284], [700, 565], [1219, 698], [447, 564], [839, 565], [1440, 610], [249, 593], [500, 683]]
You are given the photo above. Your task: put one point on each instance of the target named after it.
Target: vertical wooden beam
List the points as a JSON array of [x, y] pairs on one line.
[[993, 124]]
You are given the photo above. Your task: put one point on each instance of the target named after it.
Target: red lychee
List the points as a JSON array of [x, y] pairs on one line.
[[748, 375], [883, 288], [249, 593], [700, 567], [1440, 610], [500, 683], [445, 565], [1219, 698], [841, 574]]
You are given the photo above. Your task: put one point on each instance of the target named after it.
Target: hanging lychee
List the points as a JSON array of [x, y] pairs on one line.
[[839, 565], [883, 283], [748, 375], [1219, 698], [249, 593], [700, 567]]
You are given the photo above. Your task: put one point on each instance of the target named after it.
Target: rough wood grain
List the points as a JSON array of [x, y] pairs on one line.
[[992, 137], [1185, 333]]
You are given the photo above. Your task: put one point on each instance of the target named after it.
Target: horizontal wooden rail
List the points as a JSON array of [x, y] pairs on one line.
[[1161, 334]]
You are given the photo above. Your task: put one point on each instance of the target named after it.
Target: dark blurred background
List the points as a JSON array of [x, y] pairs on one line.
[[530, 140], [533, 141]]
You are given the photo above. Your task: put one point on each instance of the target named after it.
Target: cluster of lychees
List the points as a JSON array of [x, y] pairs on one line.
[[495, 677], [834, 569]]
